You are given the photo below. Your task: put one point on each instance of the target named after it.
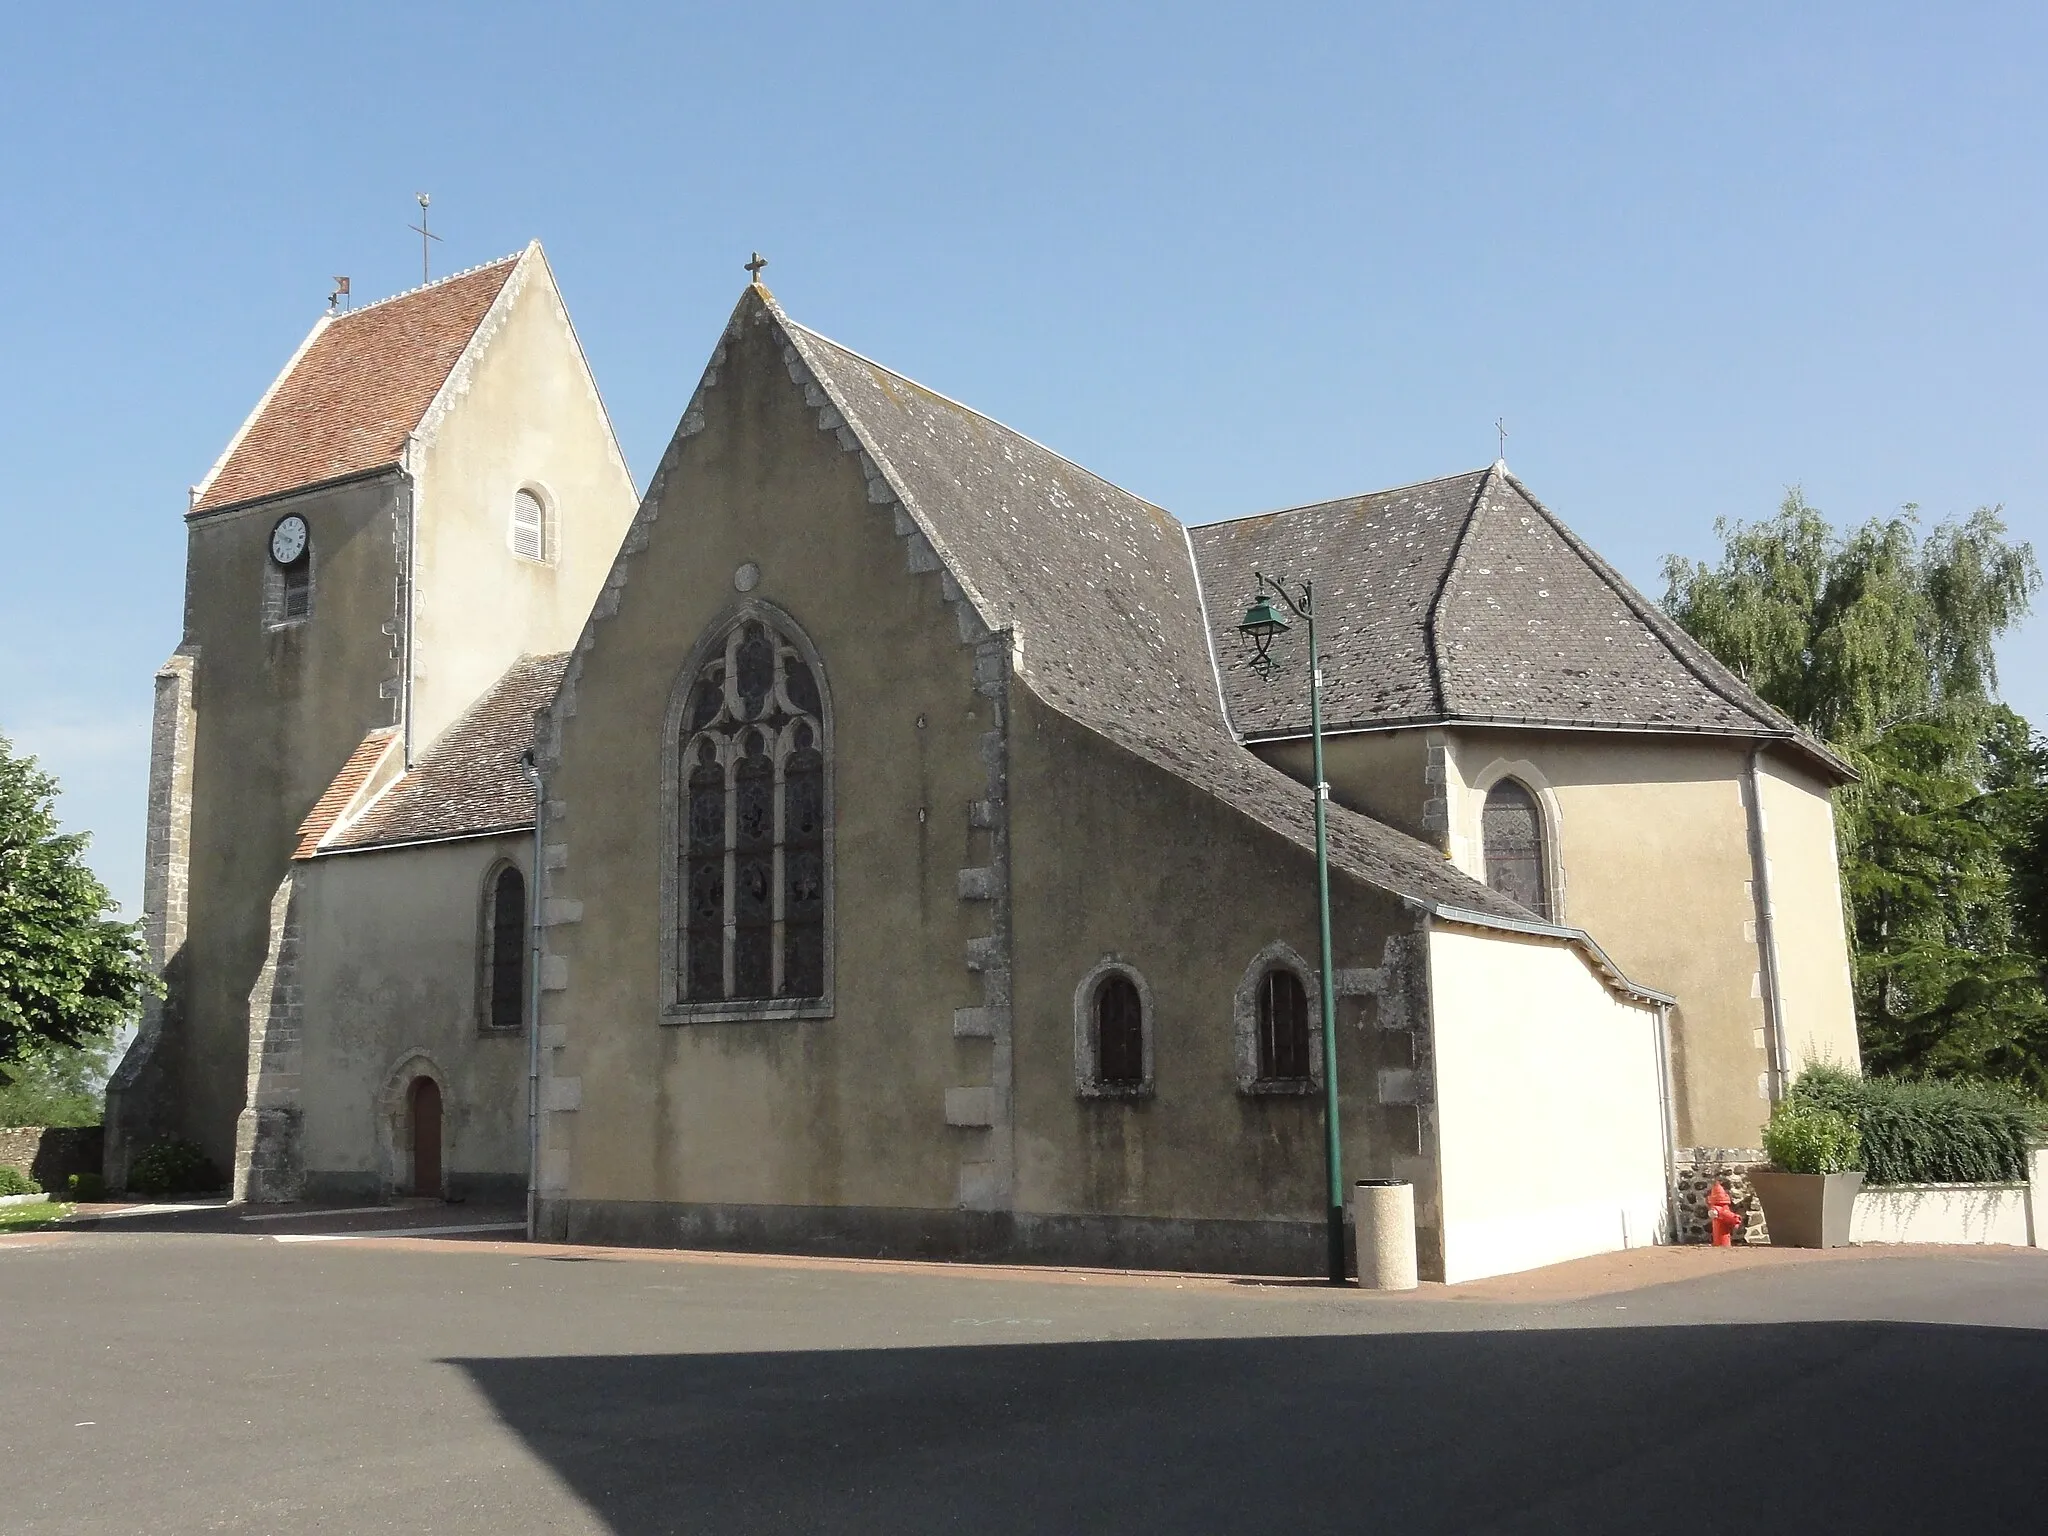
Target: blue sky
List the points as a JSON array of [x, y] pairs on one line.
[[1232, 258]]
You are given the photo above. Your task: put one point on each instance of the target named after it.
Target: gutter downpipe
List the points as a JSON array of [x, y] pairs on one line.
[[533, 929], [1767, 935]]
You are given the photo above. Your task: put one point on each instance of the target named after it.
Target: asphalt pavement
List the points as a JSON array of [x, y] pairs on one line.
[[202, 1373]]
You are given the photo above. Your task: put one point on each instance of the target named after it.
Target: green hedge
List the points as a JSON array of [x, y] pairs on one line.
[[14, 1182], [1918, 1131]]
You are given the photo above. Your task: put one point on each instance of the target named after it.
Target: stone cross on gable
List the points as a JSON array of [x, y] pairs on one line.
[[754, 267]]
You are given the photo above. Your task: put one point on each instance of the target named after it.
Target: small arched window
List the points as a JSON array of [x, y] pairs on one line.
[[753, 851], [1113, 1033], [1283, 1027], [529, 526], [1119, 1032], [504, 950], [1511, 832]]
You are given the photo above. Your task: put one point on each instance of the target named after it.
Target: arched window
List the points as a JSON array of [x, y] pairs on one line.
[[502, 973], [1113, 1032], [1119, 1032], [1277, 1046], [752, 856], [529, 526], [1511, 832], [1283, 1027]]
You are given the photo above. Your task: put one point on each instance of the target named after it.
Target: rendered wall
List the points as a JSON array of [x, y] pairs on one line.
[[389, 970], [790, 1115], [1380, 773], [1818, 1001], [1654, 861], [1114, 858], [524, 412], [277, 711], [1549, 1122]]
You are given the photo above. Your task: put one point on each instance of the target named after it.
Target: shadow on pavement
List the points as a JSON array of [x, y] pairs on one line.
[[1869, 1427]]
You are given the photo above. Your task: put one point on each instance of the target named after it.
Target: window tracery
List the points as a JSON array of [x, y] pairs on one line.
[[752, 840]]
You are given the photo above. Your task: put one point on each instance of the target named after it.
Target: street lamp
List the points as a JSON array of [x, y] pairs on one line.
[[1262, 626]]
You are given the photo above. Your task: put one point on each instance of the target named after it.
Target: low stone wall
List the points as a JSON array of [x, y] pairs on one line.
[[51, 1154], [1698, 1170]]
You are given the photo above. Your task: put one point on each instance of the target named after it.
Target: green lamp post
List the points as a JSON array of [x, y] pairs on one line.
[[1262, 625]]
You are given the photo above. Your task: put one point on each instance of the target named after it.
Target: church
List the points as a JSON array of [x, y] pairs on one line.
[[875, 839]]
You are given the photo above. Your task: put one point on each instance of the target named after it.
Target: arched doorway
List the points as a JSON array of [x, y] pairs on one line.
[[423, 1101]]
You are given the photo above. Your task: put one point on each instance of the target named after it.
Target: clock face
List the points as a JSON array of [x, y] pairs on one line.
[[288, 539]]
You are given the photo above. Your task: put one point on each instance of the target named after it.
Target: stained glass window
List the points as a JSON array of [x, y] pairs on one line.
[[752, 861], [1512, 833]]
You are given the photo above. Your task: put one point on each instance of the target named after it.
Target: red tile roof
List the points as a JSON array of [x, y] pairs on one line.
[[361, 383], [336, 797]]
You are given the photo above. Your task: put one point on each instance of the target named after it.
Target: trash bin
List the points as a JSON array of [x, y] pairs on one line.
[[1384, 1212]]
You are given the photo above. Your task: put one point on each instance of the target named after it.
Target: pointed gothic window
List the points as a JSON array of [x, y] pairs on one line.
[[752, 854], [1511, 831]]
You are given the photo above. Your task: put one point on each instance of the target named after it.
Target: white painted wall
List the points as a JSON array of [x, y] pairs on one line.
[[1550, 1127], [1943, 1213]]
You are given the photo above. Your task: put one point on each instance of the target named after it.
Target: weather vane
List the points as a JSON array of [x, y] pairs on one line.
[[420, 229]]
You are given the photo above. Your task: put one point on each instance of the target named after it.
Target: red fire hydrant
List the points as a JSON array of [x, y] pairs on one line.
[[1724, 1217]]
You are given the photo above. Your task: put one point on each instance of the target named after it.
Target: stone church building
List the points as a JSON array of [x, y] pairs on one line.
[[874, 841]]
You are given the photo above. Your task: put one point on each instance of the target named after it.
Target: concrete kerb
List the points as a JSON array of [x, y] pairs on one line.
[[1625, 1272]]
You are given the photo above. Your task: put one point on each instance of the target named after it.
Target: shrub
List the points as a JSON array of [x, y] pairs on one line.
[[173, 1166], [87, 1187], [1804, 1138], [14, 1182], [1919, 1131]]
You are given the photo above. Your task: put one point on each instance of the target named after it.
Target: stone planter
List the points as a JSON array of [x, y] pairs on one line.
[[1807, 1210]]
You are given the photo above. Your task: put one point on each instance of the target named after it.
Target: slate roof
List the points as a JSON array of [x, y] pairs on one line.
[[1100, 589], [1466, 599], [361, 381], [470, 781]]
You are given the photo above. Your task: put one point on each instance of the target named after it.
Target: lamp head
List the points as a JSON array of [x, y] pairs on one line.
[[1262, 622]]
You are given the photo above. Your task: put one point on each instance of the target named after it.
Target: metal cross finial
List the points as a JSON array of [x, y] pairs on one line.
[[421, 230], [1500, 426], [754, 267]]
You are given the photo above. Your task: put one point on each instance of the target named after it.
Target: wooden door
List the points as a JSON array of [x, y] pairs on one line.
[[426, 1137]]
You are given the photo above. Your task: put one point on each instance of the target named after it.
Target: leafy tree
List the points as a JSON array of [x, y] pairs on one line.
[[1880, 641], [69, 972], [57, 1085]]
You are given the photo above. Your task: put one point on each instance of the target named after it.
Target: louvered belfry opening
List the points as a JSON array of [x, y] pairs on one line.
[[1119, 1032], [295, 593], [752, 914], [508, 949], [529, 527], [1283, 1027], [1512, 831]]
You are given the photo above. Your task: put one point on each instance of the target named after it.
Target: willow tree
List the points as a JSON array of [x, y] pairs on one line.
[[1881, 640]]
